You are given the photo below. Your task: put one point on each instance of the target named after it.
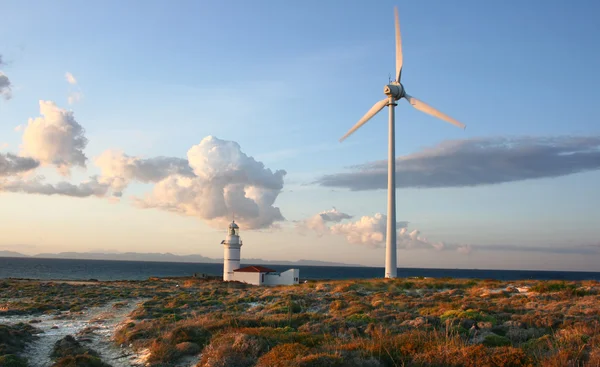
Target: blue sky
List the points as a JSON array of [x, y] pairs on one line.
[[285, 80]]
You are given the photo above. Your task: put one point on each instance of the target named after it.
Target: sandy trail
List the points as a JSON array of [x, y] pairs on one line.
[[101, 323]]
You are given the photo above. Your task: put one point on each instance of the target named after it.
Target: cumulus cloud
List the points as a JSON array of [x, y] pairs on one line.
[[36, 186], [119, 169], [367, 230], [225, 181], [414, 240], [11, 164], [216, 181], [371, 231], [474, 162], [320, 222], [55, 138]]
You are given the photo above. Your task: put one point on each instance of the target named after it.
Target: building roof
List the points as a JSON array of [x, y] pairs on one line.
[[255, 269]]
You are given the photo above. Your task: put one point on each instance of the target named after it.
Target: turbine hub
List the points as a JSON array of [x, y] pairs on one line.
[[394, 90]]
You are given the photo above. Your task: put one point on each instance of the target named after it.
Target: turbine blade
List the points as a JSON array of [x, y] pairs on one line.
[[372, 112], [424, 107], [398, 47]]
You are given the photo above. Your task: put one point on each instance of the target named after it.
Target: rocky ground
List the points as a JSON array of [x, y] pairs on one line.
[[401, 322]]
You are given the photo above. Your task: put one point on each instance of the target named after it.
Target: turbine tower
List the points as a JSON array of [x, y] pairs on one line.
[[395, 91]]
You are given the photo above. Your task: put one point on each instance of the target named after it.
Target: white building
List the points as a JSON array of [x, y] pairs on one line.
[[233, 246], [257, 275]]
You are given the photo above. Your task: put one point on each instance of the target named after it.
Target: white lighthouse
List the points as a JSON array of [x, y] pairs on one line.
[[232, 245], [257, 275]]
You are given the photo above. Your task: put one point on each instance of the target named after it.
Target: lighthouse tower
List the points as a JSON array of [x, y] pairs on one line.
[[232, 245]]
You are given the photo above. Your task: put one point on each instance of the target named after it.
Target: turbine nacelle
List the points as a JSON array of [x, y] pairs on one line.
[[394, 90]]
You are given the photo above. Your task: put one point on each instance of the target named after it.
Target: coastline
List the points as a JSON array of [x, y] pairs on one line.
[[104, 270]]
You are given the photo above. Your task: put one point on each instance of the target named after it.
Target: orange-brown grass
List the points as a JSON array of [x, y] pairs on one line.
[[372, 322]]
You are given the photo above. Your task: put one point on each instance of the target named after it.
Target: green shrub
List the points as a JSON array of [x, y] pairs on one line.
[[82, 360], [494, 340], [11, 360], [360, 318], [551, 286], [468, 314]]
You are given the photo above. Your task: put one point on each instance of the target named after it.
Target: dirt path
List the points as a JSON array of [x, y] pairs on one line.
[[98, 325]]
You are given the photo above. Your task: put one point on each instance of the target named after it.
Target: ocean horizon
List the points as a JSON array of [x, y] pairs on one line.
[[103, 270]]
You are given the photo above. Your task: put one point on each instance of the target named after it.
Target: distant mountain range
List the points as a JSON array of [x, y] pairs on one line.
[[166, 257]]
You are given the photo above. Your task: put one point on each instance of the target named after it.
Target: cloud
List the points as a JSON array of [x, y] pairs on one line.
[[70, 78], [464, 249], [225, 182], [36, 186], [320, 221], [216, 181], [56, 138], [11, 164], [367, 230], [74, 95], [371, 231], [414, 240], [5, 86], [474, 162], [118, 169]]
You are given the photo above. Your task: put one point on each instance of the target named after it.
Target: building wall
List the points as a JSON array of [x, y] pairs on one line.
[[250, 278], [288, 277], [231, 260]]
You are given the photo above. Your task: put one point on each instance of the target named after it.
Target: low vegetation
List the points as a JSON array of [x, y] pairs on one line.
[[400, 322], [13, 340], [69, 352]]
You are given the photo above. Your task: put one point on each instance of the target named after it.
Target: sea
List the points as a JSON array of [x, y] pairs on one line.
[[67, 269]]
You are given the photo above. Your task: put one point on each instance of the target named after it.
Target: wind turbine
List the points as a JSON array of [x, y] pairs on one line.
[[395, 91]]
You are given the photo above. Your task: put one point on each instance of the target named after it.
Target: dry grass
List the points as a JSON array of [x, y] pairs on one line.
[[370, 323]]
